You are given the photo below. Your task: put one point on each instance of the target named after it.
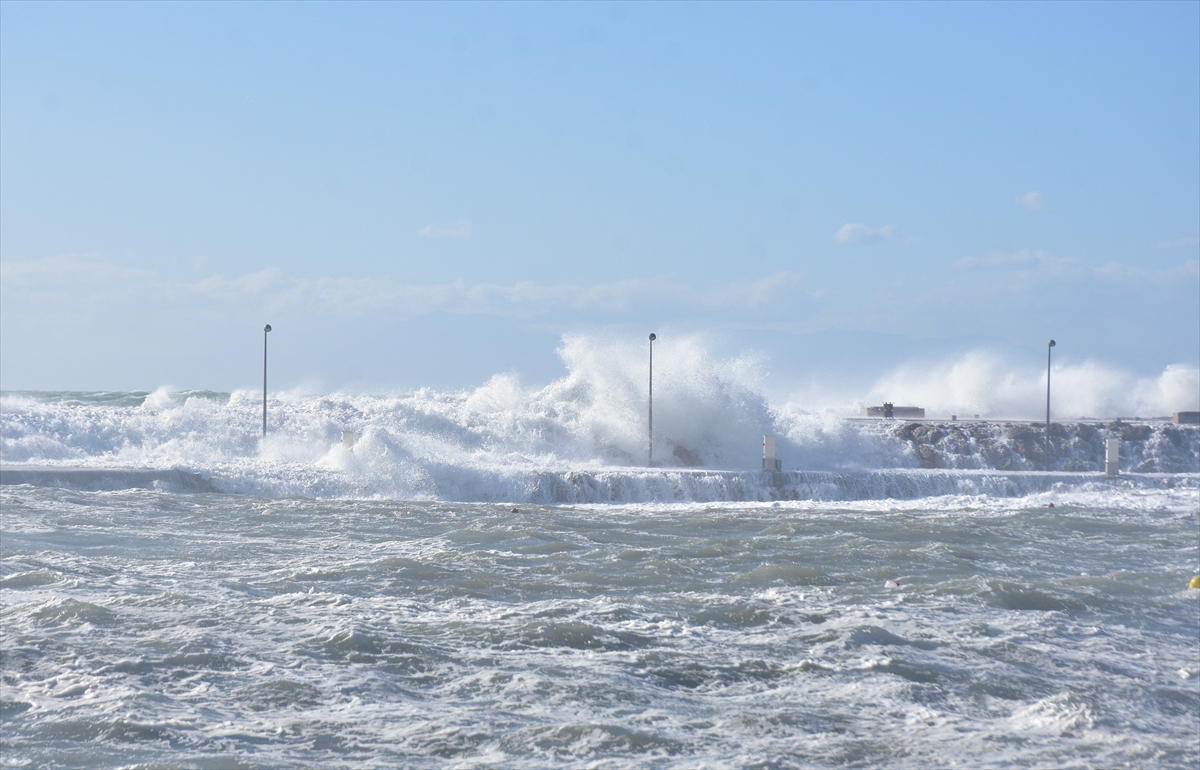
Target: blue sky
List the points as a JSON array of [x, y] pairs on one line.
[[428, 194]]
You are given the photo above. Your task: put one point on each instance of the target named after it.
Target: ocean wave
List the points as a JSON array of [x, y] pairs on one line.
[[581, 439]]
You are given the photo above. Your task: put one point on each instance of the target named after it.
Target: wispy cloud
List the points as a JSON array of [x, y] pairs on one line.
[[70, 268], [461, 230], [999, 258], [68, 280], [524, 298], [1031, 200], [1129, 275], [1021, 269], [1026, 268], [1190, 242], [220, 287], [857, 232]]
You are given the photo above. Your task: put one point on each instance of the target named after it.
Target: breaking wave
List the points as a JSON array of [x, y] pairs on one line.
[[582, 438]]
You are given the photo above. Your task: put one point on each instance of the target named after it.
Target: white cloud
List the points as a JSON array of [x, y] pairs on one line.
[[70, 281], [220, 287], [857, 232], [461, 230], [1023, 271], [1031, 200], [1127, 275], [1190, 242], [996, 259], [1019, 268], [754, 293], [354, 296], [69, 268]]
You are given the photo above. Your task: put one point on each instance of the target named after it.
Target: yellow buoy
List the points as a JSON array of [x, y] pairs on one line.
[[1195, 582]]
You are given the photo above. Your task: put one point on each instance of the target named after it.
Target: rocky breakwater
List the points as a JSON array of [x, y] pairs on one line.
[[1073, 446]]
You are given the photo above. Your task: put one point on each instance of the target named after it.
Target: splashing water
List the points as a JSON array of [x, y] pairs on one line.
[[579, 436]]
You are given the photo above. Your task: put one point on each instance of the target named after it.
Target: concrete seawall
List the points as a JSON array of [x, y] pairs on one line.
[[665, 485], [105, 479], [697, 485]]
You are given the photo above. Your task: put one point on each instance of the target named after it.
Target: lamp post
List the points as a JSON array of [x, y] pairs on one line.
[[650, 442], [1049, 345], [266, 329]]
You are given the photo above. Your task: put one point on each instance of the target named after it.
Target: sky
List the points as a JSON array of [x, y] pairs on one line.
[[429, 194]]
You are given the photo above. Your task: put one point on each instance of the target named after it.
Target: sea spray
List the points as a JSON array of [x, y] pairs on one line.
[[507, 441], [998, 386], [438, 446]]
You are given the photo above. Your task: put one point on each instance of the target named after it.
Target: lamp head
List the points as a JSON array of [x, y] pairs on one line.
[[1052, 343], [653, 336], [267, 328]]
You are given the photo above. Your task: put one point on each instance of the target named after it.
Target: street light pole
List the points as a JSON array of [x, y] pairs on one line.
[[650, 442], [266, 329], [1051, 344]]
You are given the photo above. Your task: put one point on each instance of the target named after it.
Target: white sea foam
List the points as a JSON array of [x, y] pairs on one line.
[[143, 628]]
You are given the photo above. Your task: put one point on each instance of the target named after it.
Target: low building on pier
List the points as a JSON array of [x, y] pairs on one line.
[[890, 411]]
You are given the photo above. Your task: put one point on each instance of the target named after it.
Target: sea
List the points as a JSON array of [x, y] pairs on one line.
[[503, 577]]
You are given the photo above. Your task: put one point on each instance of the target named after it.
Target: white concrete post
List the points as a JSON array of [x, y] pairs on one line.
[[770, 461], [1112, 456]]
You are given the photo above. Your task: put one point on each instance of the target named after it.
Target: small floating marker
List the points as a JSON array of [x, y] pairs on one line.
[[1051, 505], [513, 510], [892, 584], [1195, 582]]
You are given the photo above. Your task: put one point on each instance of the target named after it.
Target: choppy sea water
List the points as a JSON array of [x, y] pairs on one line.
[[151, 629]]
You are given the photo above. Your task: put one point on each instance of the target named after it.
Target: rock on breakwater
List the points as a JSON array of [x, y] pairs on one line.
[[1074, 446]]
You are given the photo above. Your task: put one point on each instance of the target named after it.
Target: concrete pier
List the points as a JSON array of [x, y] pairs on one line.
[[105, 479]]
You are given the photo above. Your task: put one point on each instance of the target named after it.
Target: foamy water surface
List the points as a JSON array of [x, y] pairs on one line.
[[297, 603], [150, 629]]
